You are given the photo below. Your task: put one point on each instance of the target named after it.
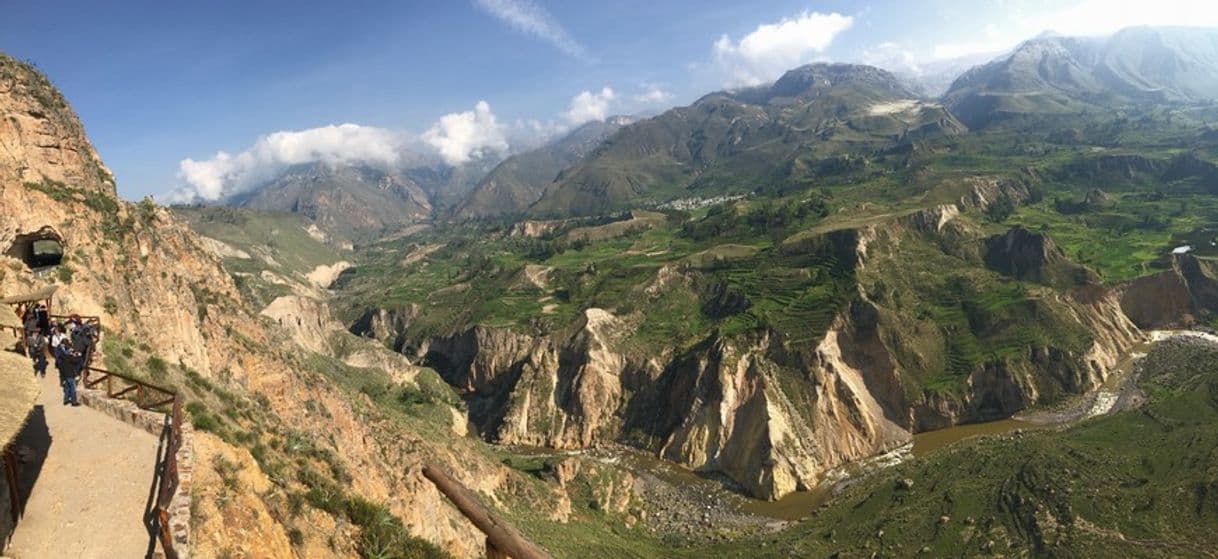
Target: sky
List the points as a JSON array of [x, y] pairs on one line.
[[198, 100]]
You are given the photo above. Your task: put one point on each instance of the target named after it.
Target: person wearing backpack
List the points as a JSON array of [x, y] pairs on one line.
[[82, 340], [36, 345]]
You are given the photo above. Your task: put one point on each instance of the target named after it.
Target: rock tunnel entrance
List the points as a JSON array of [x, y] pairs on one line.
[[39, 250]]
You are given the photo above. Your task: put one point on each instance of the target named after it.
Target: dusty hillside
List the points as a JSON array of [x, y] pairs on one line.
[[172, 312]]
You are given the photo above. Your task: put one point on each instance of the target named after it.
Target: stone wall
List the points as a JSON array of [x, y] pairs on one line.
[[154, 423]]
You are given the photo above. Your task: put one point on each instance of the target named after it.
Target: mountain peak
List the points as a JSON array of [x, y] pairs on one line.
[[1051, 74], [811, 79]]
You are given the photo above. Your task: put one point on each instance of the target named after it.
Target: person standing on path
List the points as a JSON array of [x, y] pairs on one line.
[[66, 360], [43, 318], [36, 344], [28, 327], [57, 336]]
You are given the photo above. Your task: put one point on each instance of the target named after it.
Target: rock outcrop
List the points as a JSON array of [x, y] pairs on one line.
[[157, 285], [1177, 297], [773, 415]]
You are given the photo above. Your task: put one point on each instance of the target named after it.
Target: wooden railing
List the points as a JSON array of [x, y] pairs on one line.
[[93, 320], [502, 540], [146, 396], [151, 397]]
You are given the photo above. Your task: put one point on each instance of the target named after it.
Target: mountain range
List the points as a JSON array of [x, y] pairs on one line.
[[814, 121], [1050, 75], [657, 337]]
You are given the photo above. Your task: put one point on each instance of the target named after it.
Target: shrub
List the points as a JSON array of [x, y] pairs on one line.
[[64, 273], [157, 368]]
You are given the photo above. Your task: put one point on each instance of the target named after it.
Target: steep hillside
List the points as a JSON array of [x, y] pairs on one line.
[[769, 341], [1053, 75], [354, 202], [816, 121], [1137, 483], [293, 456], [512, 186]]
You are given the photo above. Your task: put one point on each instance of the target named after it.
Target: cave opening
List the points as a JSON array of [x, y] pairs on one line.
[[40, 250]]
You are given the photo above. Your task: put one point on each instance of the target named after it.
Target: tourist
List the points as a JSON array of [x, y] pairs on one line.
[[29, 325], [67, 362], [36, 345], [44, 319], [83, 337], [57, 336]]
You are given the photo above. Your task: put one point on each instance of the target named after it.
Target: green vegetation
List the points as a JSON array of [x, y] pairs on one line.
[[382, 535], [64, 273], [1137, 484], [264, 251]]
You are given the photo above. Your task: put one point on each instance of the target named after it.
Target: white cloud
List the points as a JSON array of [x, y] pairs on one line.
[[529, 18], [527, 134], [1101, 17], [773, 48], [1079, 18], [652, 95], [455, 138], [590, 105], [460, 137], [226, 174], [993, 41], [891, 56]]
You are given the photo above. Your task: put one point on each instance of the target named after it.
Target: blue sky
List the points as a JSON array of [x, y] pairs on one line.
[[160, 82]]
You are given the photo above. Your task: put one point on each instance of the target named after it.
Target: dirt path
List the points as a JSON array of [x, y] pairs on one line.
[[89, 495]]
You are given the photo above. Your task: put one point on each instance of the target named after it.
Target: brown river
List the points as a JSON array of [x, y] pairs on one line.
[[800, 504]]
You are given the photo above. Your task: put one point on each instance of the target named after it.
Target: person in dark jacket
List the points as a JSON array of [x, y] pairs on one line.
[[43, 318], [68, 362]]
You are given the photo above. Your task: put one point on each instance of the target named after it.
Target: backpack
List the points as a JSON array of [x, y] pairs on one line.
[[81, 340]]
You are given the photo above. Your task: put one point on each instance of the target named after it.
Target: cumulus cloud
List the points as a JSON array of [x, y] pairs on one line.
[[1077, 17], [652, 95], [892, 56], [773, 48], [529, 18], [460, 137], [455, 138], [589, 105], [226, 174]]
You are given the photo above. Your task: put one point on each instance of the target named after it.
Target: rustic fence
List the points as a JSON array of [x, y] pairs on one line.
[[147, 396]]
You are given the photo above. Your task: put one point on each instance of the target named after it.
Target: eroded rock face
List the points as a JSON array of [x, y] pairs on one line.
[[153, 281], [771, 415], [1022, 254], [1175, 297], [385, 324]]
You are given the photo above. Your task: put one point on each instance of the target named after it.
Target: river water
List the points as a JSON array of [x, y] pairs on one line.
[[799, 504]]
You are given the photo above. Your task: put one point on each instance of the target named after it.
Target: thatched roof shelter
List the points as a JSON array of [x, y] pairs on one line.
[[18, 392], [31, 297]]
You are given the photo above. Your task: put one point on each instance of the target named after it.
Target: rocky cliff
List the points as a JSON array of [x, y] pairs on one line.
[[1181, 296], [907, 352], [279, 417]]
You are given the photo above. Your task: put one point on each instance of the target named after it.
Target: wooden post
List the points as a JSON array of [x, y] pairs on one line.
[[501, 539]]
